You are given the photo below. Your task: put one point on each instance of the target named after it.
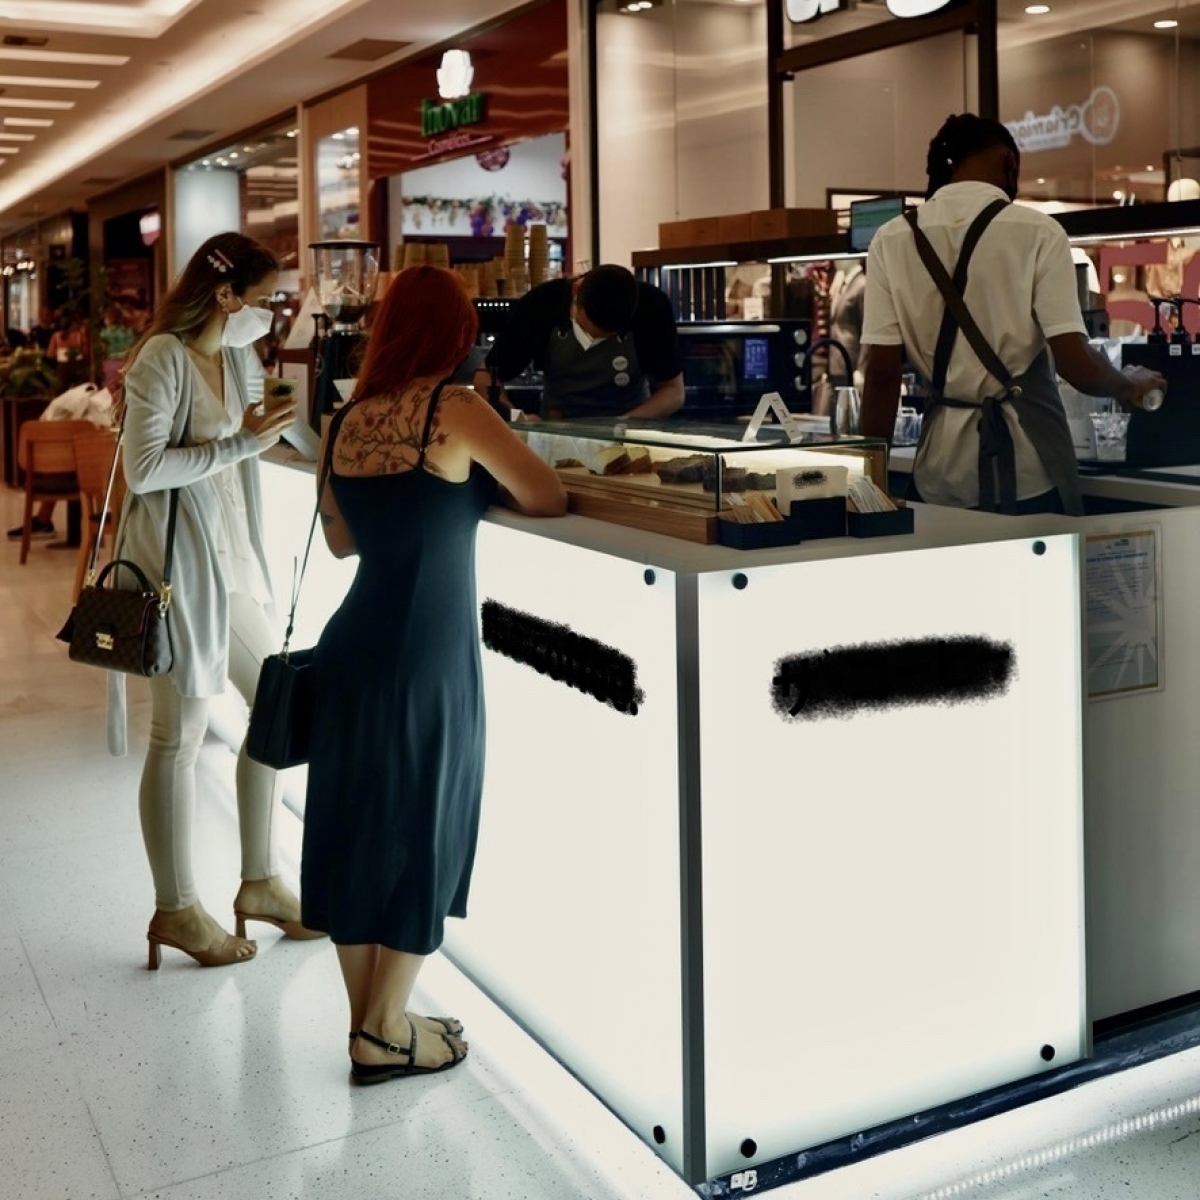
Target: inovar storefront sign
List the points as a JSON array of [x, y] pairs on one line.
[[799, 11], [443, 122]]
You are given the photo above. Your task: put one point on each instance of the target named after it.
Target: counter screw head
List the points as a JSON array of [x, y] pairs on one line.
[[649, 576], [1039, 547], [749, 1148], [1048, 1053], [660, 1135], [740, 581]]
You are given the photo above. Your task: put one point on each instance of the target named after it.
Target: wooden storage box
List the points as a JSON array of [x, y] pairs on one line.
[[706, 231], [771, 223], [734, 227], [673, 234]]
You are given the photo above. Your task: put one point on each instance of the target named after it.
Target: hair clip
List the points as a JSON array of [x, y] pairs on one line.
[[219, 262]]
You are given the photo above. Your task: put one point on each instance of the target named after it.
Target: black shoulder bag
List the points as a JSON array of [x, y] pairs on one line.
[[118, 629], [281, 718]]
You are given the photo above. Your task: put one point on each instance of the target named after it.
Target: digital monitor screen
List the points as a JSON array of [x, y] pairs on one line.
[[756, 364], [866, 217]]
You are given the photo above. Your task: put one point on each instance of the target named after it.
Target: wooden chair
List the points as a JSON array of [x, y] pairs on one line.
[[46, 458], [93, 463]]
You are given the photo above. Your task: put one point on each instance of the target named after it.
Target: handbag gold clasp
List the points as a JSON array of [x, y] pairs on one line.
[[164, 598], [104, 641]]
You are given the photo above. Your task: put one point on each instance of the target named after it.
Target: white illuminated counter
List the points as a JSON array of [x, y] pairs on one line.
[[749, 927]]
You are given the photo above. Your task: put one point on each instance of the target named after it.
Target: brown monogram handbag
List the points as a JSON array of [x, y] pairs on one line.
[[123, 629]]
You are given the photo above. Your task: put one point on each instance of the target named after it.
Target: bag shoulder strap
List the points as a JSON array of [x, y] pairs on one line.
[[325, 469], [172, 514], [433, 403], [956, 315]]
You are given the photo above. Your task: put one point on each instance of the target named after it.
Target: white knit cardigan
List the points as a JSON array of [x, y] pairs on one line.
[[158, 455]]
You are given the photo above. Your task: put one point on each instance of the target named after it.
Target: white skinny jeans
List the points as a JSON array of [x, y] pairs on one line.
[[167, 795]]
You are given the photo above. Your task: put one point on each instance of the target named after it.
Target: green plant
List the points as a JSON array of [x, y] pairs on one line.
[[28, 373]]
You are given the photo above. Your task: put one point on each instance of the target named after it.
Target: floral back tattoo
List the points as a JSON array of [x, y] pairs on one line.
[[384, 436]]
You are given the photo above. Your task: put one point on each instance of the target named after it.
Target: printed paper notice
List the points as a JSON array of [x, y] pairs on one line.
[[1124, 617]]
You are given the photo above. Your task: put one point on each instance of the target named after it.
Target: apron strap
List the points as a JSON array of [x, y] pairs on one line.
[[956, 314]]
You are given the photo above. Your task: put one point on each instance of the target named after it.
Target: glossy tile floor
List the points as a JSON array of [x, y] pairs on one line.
[[192, 1084]]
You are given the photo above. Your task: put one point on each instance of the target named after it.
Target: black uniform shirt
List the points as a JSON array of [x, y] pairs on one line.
[[545, 313]]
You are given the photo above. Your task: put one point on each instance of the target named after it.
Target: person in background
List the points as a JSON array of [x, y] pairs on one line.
[[192, 422], [71, 341], [41, 333], [1021, 291], [396, 763], [115, 336], [607, 346]]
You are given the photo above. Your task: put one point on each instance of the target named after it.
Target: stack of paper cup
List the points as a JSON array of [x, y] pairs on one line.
[[500, 272], [414, 254], [487, 279], [539, 254], [437, 254], [514, 248]]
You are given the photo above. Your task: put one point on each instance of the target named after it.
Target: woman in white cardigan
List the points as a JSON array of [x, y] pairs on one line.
[[193, 422]]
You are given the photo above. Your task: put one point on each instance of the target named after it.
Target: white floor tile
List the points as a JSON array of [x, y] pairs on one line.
[[49, 1147]]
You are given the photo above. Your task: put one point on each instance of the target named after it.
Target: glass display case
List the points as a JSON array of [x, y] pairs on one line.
[[703, 483]]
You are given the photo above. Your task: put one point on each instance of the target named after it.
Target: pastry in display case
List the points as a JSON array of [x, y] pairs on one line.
[[704, 484]]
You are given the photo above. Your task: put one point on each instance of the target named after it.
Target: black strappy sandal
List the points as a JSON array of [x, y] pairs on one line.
[[363, 1073], [448, 1025]]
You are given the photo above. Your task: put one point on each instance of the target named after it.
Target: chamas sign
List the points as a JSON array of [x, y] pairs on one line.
[[799, 11]]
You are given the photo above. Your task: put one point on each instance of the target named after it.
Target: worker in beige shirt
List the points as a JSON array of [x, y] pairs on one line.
[[1020, 290]]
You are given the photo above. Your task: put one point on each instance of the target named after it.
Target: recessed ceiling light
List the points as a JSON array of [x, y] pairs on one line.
[[1037, 10], [1041, 179], [64, 57], [8, 136], [9, 150], [5, 102], [1168, 24], [29, 122], [46, 82]]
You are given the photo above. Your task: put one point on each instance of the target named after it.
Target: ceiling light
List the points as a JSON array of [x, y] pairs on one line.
[[46, 82], [1041, 179], [1168, 24], [292, 132], [9, 150], [64, 57], [17, 137], [233, 154], [1037, 10], [29, 122], [5, 102]]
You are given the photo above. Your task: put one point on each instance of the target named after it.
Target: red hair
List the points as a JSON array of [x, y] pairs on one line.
[[426, 324]]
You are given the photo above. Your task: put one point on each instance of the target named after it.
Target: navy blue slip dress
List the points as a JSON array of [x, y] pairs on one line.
[[396, 770]]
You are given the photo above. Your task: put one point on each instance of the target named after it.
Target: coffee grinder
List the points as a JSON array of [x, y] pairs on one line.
[[345, 272]]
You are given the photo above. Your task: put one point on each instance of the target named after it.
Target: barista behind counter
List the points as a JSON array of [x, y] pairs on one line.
[[606, 345]]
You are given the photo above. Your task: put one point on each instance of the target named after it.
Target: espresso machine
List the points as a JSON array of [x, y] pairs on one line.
[[344, 273], [1169, 436]]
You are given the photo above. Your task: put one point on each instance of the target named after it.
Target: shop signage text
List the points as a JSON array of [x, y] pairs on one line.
[[1096, 120], [454, 114], [799, 11]]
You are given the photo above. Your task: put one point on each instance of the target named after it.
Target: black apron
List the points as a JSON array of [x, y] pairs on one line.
[[1033, 394], [604, 380]]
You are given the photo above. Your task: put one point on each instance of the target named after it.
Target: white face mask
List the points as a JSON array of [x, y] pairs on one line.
[[582, 336], [247, 325]]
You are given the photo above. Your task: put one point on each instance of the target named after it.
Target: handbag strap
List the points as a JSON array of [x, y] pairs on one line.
[[326, 468], [172, 513], [957, 315]]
